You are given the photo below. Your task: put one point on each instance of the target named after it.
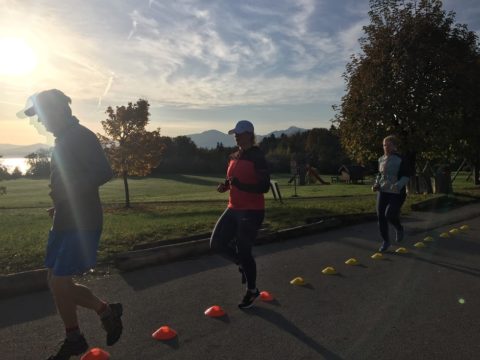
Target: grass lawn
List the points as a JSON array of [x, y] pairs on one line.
[[166, 208]]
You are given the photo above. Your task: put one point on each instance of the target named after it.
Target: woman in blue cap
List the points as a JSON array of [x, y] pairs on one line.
[[235, 231]]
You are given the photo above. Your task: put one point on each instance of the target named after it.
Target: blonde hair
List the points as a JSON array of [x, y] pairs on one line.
[[392, 139]]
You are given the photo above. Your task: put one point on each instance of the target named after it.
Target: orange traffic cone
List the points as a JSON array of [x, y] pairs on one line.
[[215, 311], [96, 354], [164, 333], [266, 296]]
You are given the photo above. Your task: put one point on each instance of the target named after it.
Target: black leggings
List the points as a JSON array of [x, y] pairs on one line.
[[388, 210], [233, 237]]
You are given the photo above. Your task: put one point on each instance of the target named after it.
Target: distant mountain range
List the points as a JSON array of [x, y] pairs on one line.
[[209, 139], [20, 151]]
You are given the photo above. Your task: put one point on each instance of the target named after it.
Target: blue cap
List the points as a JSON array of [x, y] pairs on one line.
[[242, 127]]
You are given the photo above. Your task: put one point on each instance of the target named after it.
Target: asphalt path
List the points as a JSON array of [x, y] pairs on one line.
[[421, 305]]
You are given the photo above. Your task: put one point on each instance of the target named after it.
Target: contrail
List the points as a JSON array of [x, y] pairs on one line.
[[134, 28], [107, 89]]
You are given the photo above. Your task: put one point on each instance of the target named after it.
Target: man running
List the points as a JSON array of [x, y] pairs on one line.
[[78, 168]]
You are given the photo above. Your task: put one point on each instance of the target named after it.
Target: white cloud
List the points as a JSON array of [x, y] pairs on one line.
[[190, 54]]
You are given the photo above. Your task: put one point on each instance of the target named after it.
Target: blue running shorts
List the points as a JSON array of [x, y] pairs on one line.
[[72, 252]]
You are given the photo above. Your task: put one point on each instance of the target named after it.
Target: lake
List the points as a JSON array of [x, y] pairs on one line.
[[12, 163]]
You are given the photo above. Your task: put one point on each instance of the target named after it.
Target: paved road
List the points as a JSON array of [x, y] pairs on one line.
[[425, 305]]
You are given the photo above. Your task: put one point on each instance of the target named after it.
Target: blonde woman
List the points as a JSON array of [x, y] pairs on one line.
[[390, 186]]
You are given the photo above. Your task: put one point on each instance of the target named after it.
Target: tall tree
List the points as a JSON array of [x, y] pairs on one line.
[[409, 80], [38, 164], [131, 149], [324, 150]]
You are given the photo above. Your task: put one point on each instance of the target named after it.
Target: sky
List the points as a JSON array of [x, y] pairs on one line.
[[201, 64]]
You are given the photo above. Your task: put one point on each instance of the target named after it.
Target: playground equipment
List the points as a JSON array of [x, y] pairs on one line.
[[313, 175]]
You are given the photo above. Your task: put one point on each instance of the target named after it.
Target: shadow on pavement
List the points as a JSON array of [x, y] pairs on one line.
[[451, 266], [145, 278], [281, 322], [26, 308]]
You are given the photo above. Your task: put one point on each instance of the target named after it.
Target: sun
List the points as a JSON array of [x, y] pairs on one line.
[[16, 57]]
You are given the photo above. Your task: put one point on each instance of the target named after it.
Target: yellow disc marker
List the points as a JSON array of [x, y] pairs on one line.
[[298, 281], [401, 250], [454, 231], [464, 227], [352, 261], [444, 235], [329, 270], [377, 256], [420, 245], [428, 239]]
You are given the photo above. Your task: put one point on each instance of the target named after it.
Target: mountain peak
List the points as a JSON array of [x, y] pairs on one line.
[[210, 138], [14, 151]]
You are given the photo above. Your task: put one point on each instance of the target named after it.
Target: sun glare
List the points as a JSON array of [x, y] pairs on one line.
[[16, 57]]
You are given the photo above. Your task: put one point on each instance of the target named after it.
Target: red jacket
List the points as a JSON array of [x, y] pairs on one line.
[[250, 179]]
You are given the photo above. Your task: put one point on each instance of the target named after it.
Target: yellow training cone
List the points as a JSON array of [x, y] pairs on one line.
[[377, 256], [401, 250], [428, 239], [454, 231], [444, 235], [352, 261], [420, 245], [298, 281], [329, 270], [464, 227]]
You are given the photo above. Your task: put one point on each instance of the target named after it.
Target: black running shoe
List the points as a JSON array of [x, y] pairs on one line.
[[112, 323], [70, 348], [248, 299], [244, 279], [384, 246]]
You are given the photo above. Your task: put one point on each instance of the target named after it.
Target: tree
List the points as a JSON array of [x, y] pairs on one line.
[[16, 173], [324, 150], [411, 79], [131, 149], [3, 170], [39, 164]]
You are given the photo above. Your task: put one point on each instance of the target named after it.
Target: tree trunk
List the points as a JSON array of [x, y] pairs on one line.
[[412, 186], [443, 180], [127, 192]]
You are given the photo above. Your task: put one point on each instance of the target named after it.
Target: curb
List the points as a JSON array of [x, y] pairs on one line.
[[453, 219], [22, 283], [136, 259]]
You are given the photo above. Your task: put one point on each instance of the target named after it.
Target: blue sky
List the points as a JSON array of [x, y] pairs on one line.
[[201, 64]]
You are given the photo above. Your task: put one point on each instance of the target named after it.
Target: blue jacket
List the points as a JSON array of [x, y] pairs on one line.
[[393, 174]]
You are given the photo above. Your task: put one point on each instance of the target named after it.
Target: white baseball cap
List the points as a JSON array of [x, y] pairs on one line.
[[242, 127]]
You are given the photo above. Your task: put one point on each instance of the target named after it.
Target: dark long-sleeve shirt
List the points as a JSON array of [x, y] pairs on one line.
[[78, 168]]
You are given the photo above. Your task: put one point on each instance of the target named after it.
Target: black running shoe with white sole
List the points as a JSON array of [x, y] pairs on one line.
[[249, 298], [69, 348]]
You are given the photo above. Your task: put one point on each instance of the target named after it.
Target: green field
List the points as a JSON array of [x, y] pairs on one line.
[[166, 208]]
